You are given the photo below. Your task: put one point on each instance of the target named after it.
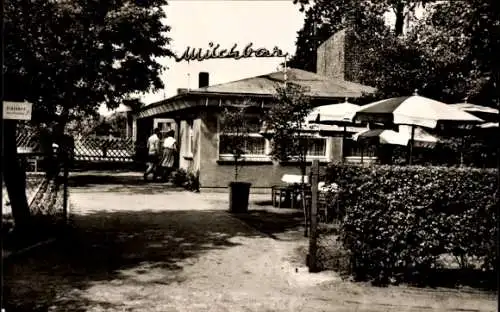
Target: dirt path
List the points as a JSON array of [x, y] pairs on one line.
[[144, 248]]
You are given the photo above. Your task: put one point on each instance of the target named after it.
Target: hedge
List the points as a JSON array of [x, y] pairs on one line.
[[398, 221]]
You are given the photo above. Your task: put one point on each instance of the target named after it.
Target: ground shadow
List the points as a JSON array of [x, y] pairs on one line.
[[457, 278], [282, 224], [130, 184], [264, 203], [81, 180], [123, 248]]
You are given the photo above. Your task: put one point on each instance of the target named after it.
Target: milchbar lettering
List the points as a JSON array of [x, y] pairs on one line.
[[213, 52]]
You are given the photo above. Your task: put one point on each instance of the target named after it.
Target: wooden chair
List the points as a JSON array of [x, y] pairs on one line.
[[279, 195]]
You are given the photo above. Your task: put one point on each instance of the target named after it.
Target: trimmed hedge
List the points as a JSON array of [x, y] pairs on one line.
[[398, 221]]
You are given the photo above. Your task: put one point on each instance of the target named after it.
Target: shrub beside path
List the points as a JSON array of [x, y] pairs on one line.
[[141, 247]]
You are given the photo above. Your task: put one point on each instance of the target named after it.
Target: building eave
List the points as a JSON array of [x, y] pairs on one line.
[[200, 98]]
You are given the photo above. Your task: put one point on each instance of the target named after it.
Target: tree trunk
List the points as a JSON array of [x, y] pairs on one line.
[[400, 18], [15, 178]]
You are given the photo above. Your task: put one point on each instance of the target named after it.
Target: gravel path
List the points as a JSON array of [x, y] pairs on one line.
[[147, 248]]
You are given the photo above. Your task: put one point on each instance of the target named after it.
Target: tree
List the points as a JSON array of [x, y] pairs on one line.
[[458, 41], [324, 18], [236, 128], [366, 18], [67, 57], [286, 121]]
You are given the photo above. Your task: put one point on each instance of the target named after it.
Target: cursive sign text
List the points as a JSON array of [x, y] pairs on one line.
[[213, 52]]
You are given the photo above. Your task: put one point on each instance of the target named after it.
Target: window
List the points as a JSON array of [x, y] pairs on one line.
[[164, 125], [317, 147], [353, 148], [253, 145]]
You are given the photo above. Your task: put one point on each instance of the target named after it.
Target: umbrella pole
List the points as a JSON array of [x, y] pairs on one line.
[[362, 150], [462, 144], [343, 144], [412, 139]]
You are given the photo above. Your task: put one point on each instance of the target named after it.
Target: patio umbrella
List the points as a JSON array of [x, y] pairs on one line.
[[414, 111], [483, 112], [383, 136], [489, 125], [333, 114], [340, 114]]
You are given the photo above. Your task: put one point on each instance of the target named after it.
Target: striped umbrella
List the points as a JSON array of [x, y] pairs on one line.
[[414, 111]]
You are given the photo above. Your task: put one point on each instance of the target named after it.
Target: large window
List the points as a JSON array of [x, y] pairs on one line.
[[354, 148], [164, 125], [258, 148], [254, 144], [316, 147]]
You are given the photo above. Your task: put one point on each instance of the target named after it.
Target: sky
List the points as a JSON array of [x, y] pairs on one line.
[[195, 23]]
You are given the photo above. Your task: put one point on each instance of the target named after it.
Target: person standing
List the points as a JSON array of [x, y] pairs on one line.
[[153, 146], [169, 150]]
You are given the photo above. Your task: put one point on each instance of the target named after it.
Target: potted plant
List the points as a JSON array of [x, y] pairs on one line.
[[235, 131]]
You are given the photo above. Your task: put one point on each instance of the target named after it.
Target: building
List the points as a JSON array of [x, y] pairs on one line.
[[195, 114]]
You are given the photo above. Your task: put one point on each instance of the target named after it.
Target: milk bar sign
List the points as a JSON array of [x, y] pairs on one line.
[[214, 52], [17, 110]]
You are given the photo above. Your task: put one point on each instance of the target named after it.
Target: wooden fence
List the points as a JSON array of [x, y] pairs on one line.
[[104, 149], [27, 140], [89, 149]]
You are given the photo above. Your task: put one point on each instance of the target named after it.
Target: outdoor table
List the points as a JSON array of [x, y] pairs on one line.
[[290, 191]]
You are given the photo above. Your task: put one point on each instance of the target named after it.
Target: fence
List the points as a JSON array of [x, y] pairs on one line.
[[323, 215], [47, 196], [85, 148], [104, 149]]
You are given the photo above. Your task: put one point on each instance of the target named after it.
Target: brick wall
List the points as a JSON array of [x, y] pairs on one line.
[[330, 56], [338, 57]]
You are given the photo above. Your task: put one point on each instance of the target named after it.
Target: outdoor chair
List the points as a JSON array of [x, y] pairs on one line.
[[289, 194], [279, 195]]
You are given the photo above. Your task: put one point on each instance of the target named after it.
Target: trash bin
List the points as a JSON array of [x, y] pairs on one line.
[[239, 193]]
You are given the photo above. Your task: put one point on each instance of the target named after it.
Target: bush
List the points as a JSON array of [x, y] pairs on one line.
[[193, 182], [190, 181], [399, 220], [179, 177]]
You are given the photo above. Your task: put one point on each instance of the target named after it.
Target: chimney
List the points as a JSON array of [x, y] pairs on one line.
[[330, 57], [338, 57], [203, 80]]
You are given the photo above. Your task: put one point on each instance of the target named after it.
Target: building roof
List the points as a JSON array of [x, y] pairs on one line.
[[319, 86], [263, 86]]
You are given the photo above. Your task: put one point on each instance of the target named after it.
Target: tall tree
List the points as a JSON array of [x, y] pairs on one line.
[[459, 40], [323, 18], [286, 122], [67, 57]]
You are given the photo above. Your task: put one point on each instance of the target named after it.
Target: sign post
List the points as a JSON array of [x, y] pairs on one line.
[[313, 234], [17, 110]]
